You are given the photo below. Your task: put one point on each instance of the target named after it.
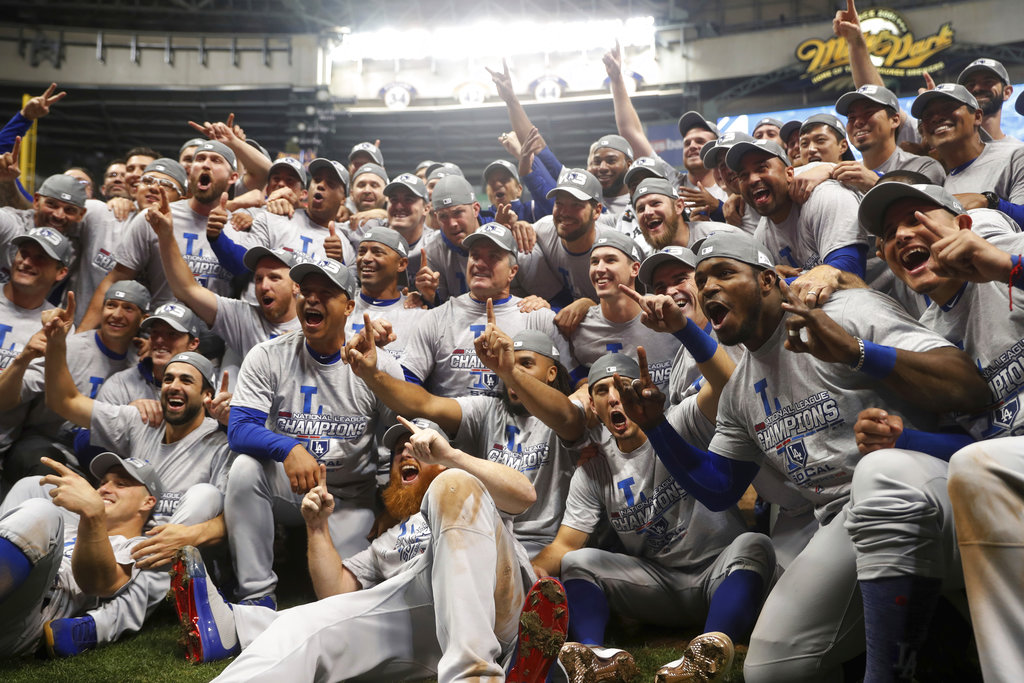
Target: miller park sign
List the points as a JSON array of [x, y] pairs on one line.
[[895, 51]]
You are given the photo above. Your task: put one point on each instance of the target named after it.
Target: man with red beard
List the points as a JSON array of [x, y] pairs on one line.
[[438, 594], [242, 325], [213, 171]]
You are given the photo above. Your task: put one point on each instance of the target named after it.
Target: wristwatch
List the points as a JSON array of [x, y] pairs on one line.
[[993, 199]]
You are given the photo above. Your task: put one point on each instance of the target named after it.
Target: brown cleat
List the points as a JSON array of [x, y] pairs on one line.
[[590, 664], [706, 659]]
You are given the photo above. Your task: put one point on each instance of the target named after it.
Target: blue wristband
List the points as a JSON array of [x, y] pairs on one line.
[[698, 342], [1016, 272], [878, 360]]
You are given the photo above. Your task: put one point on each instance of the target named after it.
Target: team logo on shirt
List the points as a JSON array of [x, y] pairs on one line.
[[786, 428], [512, 453], [412, 539], [318, 428], [643, 515], [1005, 377]]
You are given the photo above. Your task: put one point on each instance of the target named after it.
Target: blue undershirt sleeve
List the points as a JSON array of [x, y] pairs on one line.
[[941, 445], [230, 254], [1014, 211], [539, 182], [550, 161], [851, 258], [247, 433], [716, 481]]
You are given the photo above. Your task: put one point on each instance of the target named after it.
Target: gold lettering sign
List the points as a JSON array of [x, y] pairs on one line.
[[894, 49]]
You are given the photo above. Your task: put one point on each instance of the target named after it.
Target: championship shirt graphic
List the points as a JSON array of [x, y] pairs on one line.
[[646, 516], [1005, 378], [318, 428], [512, 453], [786, 429]]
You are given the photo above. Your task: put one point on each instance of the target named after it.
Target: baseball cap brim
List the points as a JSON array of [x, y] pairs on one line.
[[693, 119], [317, 164], [574, 191], [347, 285], [46, 246], [925, 98], [734, 157], [877, 201], [255, 254], [173, 322], [656, 260]]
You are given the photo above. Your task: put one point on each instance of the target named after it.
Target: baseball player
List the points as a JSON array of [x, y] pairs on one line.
[[768, 128], [872, 123], [242, 325], [789, 406], [212, 171], [733, 210], [504, 186], [821, 230], [823, 138], [408, 206], [520, 429], [92, 357], [699, 191], [677, 555], [296, 406], [188, 451], [63, 556], [659, 210], [440, 353], [310, 232], [940, 250], [989, 82], [438, 594], [367, 196], [614, 325]]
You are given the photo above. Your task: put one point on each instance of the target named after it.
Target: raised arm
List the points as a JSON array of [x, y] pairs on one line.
[[93, 564], [179, 276], [255, 165], [549, 405], [940, 380], [405, 398], [521, 123], [329, 575], [62, 396], [626, 119], [91, 319]]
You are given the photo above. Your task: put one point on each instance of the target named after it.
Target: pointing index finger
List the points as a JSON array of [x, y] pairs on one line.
[[16, 150], [57, 467], [224, 383], [321, 479], [641, 359], [490, 311], [409, 425]]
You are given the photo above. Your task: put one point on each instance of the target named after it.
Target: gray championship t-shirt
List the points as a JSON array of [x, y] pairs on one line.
[[324, 406], [140, 250], [403, 320], [795, 413], [441, 354], [242, 326], [298, 233], [201, 457], [651, 514], [999, 169], [905, 161], [390, 552], [812, 231]]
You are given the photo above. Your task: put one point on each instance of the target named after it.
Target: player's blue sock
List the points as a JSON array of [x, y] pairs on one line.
[[736, 604], [588, 612], [897, 611], [15, 568]]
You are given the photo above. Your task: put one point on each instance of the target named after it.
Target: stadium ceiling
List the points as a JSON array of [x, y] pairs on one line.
[[705, 17]]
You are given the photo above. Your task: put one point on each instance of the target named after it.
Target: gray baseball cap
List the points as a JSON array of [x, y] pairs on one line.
[[502, 163], [693, 119], [495, 233], [335, 168], [654, 186], [644, 167], [177, 315], [789, 128], [738, 246], [767, 121], [53, 242], [878, 200], [409, 181], [712, 153], [951, 91], [200, 363], [131, 291], [734, 157], [287, 257], [452, 190], [670, 254], [368, 148], [388, 237], [611, 364], [580, 183], [138, 469], [218, 148], [65, 188], [609, 237], [259, 148], [295, 165], [194, 142], [396, 431], [426, 163], [616, 142], [375, 169], [536, 341], [875, 93], [835, 124], [984, 64], [440, 169], [336, 272], [172, 168]]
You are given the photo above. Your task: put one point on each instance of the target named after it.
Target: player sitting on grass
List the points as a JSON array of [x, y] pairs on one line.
[[60, 558], [438, 594]]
